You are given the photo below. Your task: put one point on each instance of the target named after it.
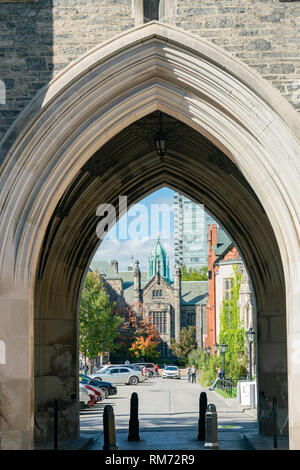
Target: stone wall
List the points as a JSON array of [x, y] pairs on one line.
[[263, 33], [39, 39]]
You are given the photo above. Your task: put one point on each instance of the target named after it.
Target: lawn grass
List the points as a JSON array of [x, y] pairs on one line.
[[224, 393]]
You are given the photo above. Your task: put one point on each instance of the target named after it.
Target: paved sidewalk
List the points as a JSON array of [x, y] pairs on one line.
[[168, 418], [258, 442], [80, 443]]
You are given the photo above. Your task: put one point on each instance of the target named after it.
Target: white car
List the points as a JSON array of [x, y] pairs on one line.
[[171, 372], [84, 397], [120, 375], [135, 367]]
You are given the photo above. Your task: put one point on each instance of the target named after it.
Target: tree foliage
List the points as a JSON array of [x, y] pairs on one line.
[[186, 343], [146, 340], [232, 331], [138, 337], [194, 274], [98, 322]]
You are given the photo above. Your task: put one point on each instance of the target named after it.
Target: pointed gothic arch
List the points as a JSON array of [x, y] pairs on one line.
[[95, 99]]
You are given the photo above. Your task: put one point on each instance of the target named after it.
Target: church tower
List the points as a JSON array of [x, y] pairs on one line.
[[158, 254]]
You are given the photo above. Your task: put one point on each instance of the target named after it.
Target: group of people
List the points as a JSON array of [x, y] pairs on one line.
[[191, 373]]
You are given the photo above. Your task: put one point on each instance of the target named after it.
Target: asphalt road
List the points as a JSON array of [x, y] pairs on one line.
[[168, 416]]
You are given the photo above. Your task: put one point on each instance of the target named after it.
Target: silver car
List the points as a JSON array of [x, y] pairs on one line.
[[120, 375]]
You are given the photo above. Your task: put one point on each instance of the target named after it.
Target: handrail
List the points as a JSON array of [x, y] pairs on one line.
[[53, 413], [274, 413]]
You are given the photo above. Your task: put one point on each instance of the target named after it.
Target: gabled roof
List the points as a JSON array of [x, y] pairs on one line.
[[103, 267], [153, 279], [224, 244], [194, 292]]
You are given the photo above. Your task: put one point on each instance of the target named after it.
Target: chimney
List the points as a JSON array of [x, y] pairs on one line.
[[114, 264]]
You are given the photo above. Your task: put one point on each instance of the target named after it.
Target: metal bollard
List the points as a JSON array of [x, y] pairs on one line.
[[211, 428], [252, 395], [55, 427], [238, 392], [133, 434], [109, 429], [275, 423], [201, 421]]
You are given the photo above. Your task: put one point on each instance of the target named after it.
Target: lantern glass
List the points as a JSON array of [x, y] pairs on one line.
[[160, 141], [223, 347], [250, 335], [208, 349], [216, 346]]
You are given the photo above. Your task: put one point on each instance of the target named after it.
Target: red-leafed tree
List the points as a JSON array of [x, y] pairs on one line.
[[138, 338]]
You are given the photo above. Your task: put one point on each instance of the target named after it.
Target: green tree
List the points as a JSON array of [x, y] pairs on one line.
[[186, 343], [194, 274], [232, 331], [98, 322]]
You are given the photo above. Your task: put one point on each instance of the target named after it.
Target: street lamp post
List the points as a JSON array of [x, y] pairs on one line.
[[223, 347], [216, 348], [208, 350], [250, 338]]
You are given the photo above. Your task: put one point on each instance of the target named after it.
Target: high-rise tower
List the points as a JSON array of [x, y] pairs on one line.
[[190, 232]]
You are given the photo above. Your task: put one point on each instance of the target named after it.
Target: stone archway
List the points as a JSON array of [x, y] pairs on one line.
[[51, 150]]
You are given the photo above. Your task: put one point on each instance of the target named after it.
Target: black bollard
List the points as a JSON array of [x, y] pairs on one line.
[[202, 411], [275, 422], [211, 428], [109, 429], [133, 434]]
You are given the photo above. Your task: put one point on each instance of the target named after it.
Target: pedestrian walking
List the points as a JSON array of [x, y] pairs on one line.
[[189, 373], [86, 369], [156, 370], [193, 372]]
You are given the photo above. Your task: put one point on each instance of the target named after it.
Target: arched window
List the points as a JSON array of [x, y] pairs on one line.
[[151, 10]]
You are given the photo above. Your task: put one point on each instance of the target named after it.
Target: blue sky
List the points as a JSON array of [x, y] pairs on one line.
[[143, 230]]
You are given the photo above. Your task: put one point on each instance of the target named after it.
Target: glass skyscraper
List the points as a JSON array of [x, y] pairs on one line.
[[190, 232]]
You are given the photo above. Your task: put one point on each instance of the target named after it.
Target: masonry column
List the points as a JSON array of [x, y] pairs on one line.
[[16, 359]]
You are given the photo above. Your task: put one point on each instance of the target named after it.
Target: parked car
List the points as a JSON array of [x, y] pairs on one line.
[[121, 375], [131, 366], [106, 387], [92, 395], [145, 372], [97, 390], [84, 397], [171, 372], [149, 366]]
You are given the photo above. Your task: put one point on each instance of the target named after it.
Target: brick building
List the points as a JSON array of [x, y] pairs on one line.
[[222, 256]]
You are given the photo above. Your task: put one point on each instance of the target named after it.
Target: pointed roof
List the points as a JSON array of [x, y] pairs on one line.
[[158, 249]]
